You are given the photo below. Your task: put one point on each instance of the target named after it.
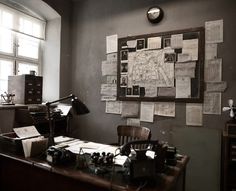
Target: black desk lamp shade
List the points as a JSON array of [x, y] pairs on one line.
[[78, 107]]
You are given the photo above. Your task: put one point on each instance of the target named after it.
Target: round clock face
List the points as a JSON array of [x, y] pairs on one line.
[[154, 14]]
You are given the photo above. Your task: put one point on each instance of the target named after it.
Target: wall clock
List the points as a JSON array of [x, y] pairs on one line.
[[155, 14]]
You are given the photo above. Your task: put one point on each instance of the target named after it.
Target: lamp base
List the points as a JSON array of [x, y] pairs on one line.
[[51, 141]]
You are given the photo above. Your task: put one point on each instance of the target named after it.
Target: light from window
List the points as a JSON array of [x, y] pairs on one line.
[[24, 68], [6, 69], [6, 41], [7, 19], [28, 47]]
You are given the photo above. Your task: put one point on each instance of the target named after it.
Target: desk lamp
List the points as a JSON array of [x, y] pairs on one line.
[[78, 106]]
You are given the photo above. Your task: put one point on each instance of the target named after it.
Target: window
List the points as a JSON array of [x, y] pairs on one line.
[[20, 39]]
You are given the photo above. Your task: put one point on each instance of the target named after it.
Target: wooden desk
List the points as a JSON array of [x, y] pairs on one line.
[[18, 173]]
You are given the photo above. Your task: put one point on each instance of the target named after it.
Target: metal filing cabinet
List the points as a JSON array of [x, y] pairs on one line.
[[27, 88]]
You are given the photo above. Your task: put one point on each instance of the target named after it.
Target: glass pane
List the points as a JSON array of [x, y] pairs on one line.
[[7, 19], [24, 68], [28, 47], [6, 69], [26, 26], [6, 41]]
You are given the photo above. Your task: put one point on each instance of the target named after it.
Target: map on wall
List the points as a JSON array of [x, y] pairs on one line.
[[161, 67]]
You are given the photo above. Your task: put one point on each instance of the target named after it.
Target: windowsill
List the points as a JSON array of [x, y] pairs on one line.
[[15, 106]]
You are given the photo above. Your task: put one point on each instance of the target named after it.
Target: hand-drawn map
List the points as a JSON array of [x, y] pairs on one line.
[[147, 68]]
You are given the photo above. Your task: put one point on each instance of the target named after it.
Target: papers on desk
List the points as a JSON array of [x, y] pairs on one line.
[[77, 146]]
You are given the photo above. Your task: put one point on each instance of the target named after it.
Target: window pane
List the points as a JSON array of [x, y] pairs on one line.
[[28, 47], [6, 69], [24, 68], [7, 19], [6, 41]]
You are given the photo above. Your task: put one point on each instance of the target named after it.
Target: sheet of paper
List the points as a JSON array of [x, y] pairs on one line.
[[212, 103], [113, 107], [184, 57], [111, 43], [154, 43], [183, 87], [26, 132], [111, 79], [133, 121], [108, 98], [132, 43], [65, 108], [210, 51], [214, 31], [165, 109], [216, 86], [109, 69], [108, 89], [213, 70], [185, 69], [130, 109], [191, 47], [193, 114], [166, 92], [112, 57], [177, 41], [150, 91], [60, 139], [147, 112]]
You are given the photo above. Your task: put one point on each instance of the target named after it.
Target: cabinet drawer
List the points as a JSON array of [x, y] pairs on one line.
[[232, 150]]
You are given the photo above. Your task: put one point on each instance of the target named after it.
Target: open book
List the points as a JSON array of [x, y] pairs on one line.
[[33, 143]]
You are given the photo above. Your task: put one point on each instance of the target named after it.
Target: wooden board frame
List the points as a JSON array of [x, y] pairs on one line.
[[126, 93]]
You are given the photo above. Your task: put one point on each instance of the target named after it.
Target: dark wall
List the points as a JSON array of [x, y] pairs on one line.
[[94, 20]]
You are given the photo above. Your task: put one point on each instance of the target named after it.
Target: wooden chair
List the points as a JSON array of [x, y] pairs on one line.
[[128, 133]]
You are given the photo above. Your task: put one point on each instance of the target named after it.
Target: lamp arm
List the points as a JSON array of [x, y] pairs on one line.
[[61, 99]]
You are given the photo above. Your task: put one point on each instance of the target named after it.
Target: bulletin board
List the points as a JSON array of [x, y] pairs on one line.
[[165, 66]]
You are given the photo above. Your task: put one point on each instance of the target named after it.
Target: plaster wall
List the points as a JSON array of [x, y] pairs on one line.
[[94, 20]]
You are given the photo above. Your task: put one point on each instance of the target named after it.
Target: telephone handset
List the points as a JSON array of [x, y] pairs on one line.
[[140, 147]]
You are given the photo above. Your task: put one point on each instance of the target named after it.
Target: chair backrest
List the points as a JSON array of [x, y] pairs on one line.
[[128, 133]]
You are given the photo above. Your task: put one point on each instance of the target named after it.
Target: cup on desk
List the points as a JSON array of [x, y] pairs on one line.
[[32, 72]]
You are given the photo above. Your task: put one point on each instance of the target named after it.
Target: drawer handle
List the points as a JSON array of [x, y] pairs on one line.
[[29, 99], [30, 92], [38, 99], [38, 92], [30, 84]]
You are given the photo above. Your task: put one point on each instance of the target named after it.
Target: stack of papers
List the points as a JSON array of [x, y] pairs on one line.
[[77, 146], [34, 146]]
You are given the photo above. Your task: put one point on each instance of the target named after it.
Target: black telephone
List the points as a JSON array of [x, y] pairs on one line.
[[140, 166]]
